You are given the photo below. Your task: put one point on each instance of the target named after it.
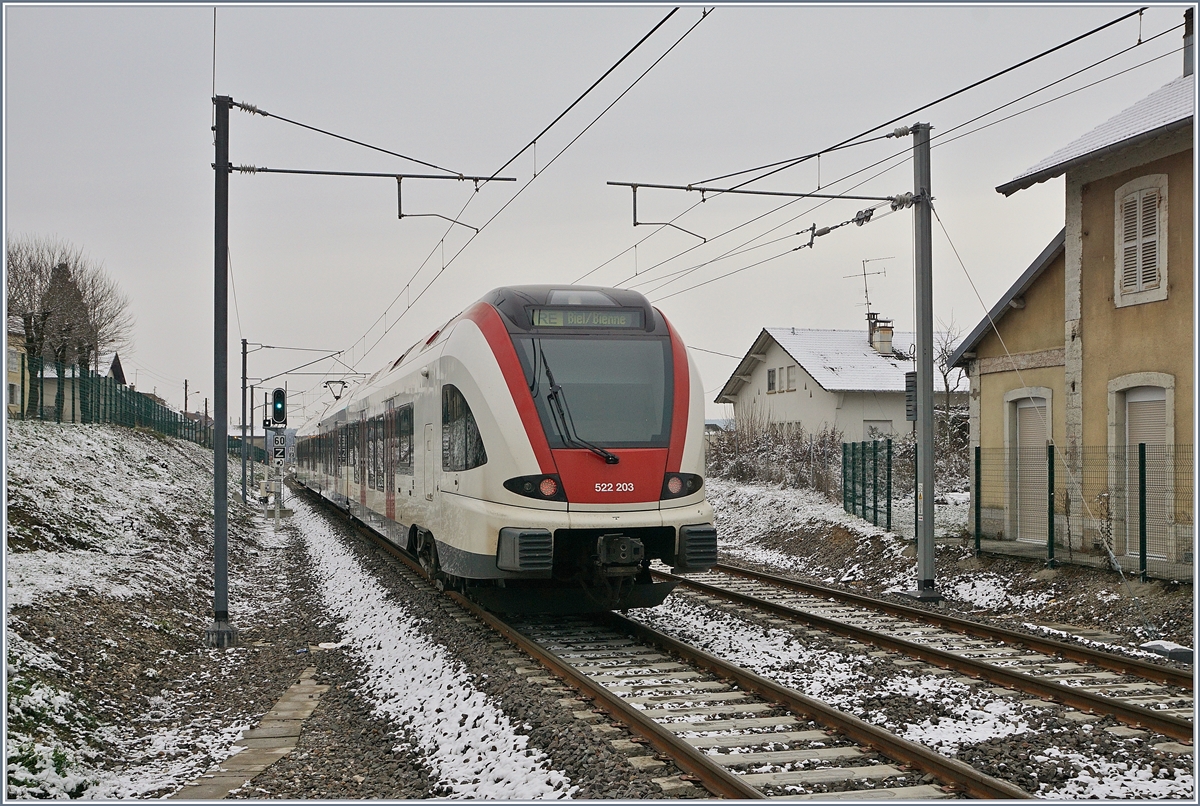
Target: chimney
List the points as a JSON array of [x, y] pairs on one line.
[[1189, 42], [880, 331]]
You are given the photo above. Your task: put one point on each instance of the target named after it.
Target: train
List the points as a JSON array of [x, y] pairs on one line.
[[536, 453]]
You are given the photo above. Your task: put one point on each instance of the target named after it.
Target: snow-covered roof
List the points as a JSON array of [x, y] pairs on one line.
[[1169, 107], [839, 360]]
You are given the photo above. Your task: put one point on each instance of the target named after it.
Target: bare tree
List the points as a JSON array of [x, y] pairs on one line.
[[70, 309], [945, 340]]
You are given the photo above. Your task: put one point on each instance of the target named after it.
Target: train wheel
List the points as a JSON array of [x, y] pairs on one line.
[[427, 555]]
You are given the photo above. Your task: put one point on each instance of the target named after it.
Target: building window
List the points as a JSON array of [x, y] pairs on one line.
[[1140, 244], [791, 378], [12, 395], [770, 381]]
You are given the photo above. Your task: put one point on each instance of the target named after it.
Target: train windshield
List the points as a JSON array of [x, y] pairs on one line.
[[608, 391]]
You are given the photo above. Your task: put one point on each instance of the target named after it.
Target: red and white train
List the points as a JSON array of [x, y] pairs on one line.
[[536, 452]]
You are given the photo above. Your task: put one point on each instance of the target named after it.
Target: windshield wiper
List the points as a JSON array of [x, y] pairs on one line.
[[564, 424]]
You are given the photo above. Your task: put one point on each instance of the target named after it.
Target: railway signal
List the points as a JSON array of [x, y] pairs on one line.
[[279, 407]]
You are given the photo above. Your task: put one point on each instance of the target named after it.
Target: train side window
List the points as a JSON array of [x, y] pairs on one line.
[[404, 439], [462, 446]]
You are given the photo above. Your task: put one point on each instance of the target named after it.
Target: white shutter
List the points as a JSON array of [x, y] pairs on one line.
[[1129, 243], [1140, 229], [1146, 421], [1149, 239]]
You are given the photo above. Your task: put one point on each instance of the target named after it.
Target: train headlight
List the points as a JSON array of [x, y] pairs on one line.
[[541, 487], [677, 485]]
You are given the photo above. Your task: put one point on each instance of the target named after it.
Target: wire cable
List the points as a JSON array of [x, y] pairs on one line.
[[251, 108], [953, 129], [446, 264], [948, 96], [542, 133]]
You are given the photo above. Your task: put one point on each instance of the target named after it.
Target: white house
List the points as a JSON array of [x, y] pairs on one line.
[[852, 380]]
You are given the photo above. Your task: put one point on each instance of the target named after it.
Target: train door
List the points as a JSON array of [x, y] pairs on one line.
[[389, 461], [430, 457]]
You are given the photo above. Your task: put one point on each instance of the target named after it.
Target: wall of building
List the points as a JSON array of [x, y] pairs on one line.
[[1150, 337], [808, 403]]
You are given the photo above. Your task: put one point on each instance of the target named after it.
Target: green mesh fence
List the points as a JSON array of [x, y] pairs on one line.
[[64, 393], [1096, 505]]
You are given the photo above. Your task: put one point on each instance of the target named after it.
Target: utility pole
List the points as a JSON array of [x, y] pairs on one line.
[[185, 395], [244, 421], [923, 259], [221, 633]]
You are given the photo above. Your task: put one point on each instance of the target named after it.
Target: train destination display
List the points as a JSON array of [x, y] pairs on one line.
[[586, 317]]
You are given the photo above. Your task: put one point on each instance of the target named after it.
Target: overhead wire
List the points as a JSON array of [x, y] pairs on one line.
[[446, 264], [951, 139], [254, 110], [946, 97]]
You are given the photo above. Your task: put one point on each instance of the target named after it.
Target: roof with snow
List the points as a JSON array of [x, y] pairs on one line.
[[838, 360], [1168, 108]]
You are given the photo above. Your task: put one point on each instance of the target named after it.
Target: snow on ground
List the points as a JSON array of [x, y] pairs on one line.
[[842, 680], [468, 741], [850, 683]]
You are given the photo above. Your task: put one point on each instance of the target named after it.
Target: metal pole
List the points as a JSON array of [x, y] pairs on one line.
[[845, 475], [221, 633], [923, 260], [243, 421], [1142, 510]]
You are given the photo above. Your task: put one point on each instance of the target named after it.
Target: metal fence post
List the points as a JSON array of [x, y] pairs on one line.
[[1142, 510], [845, 458], [978, 500], [1050, 505], [875, 481], [853, 478], [863, 458], [889, 484]]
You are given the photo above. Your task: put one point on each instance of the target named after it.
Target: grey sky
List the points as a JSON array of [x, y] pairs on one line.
[[107, 145]]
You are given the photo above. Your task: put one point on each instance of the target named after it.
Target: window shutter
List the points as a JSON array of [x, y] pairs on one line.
[[1129, 243], [1149, 239]]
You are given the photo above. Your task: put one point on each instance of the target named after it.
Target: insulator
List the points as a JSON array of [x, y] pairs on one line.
[[863, 216], [247, 169], [902, 201], [902, 131]]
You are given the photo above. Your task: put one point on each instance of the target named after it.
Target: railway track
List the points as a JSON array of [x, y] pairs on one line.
[[1138, 693], [735, 733]]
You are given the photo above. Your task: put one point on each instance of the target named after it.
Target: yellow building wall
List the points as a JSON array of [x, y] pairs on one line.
[[1153, 336], [1037, 326]]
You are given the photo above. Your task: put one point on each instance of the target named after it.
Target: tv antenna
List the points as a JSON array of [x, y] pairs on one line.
[[865, 274]]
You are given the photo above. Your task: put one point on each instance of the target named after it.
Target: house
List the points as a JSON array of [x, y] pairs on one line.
[[851, 380], [17, 368], [1089, 353]]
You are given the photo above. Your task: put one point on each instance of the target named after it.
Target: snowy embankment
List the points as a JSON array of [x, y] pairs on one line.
[[108, 592], [466, 740]]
